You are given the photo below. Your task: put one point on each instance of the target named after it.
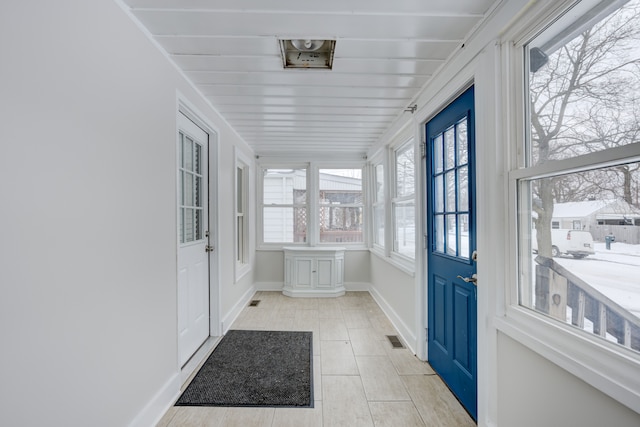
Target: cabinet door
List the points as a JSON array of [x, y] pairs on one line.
[[303, 272], [325, 273]]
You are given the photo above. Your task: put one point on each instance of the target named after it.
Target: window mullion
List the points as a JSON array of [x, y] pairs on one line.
[[313, 195], [389, 172]]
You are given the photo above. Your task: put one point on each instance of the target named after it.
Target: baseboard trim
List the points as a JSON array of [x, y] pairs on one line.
[[405, 332], [155, 409], [235, 311], [269, 286], [313, 293], [357, 286]]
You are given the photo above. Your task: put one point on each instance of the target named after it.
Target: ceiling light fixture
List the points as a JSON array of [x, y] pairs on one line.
[[307, 53], [307, 45]]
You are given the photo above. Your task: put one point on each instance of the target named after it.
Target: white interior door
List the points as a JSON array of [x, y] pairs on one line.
[[193, 233]]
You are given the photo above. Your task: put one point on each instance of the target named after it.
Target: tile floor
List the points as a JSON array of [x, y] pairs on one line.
[[359, 379]]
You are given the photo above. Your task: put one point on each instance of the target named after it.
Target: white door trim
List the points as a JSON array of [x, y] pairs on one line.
[[183, 106]]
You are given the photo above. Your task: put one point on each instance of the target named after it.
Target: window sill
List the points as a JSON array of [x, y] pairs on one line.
[[403, 265], [601, 364]]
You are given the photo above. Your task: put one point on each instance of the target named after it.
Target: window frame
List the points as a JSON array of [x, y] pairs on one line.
[[386, 156], [260, 203], [242, 267], [312, 203], [196, 191], [395, 200], [379, 160], [602, 364], [317, 205]]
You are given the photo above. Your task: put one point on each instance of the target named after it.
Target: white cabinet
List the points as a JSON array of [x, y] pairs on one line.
[[313, 271]]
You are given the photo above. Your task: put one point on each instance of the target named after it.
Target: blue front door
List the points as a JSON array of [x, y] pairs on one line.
[[452, 240]]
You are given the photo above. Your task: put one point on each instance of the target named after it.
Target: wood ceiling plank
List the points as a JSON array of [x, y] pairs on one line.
[[473, 7], [293, 25], [385, 53]]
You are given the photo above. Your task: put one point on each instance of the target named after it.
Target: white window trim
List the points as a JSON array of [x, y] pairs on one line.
[[606, 366], [315, 204], [260, 205], [379, 159], [386, 156], [312, 205], [242, 268], [405, 261]]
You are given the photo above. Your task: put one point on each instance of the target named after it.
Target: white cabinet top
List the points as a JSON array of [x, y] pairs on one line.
[[313, 248]]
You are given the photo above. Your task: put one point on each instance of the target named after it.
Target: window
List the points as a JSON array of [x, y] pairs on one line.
[[191, 205], [284, 205], [583, 160], [242, 229], [577, 156], [340, 205], [403, 202], [378, 205], [335, 215], [393, 203], [451, 191]]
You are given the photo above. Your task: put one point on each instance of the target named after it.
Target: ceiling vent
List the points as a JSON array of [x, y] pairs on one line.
[[307, 53]]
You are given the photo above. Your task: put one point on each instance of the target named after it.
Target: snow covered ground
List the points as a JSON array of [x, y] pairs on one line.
[[615, 272]]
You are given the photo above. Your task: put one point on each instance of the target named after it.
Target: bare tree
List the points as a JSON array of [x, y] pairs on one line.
[[584, 100], [614, 128]]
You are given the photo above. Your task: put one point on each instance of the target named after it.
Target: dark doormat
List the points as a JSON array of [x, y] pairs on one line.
[[255, 368]]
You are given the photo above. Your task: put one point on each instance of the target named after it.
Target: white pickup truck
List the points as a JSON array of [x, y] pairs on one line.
[[577, 243]]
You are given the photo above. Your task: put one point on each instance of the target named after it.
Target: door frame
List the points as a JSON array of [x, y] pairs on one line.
[[486, 73], [449, 89], [448, 116], [438, 104], [183, 106]]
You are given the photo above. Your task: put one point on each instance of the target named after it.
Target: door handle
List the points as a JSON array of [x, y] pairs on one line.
[[473, 279], [209, 248]]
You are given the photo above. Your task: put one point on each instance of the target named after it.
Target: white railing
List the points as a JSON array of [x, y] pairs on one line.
[[566, 297]]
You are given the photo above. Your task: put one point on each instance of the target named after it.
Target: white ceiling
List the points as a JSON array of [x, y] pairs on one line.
[[386, 51]]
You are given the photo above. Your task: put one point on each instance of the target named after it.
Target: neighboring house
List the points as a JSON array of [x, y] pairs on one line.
[[600, 217]]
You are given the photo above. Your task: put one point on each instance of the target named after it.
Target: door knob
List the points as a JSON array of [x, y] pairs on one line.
[[473, 279]]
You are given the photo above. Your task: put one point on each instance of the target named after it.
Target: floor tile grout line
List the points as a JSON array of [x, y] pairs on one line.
[[355, 302]]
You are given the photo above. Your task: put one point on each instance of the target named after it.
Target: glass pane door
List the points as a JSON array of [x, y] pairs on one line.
[[191, 198]]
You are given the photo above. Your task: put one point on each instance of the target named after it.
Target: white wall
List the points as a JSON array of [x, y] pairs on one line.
[[270, 268], [533, 392], [357, 269], [88, 241], [394, 290]]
